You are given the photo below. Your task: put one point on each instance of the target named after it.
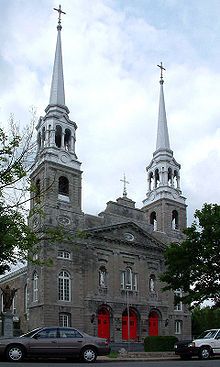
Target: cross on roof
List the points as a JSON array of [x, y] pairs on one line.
[[125, 182], [161, 71], [59, 17]]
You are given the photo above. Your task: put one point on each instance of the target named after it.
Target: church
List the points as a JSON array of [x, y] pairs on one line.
[[105, 280]]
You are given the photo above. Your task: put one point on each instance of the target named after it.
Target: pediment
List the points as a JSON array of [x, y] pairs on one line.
[[128, 233]]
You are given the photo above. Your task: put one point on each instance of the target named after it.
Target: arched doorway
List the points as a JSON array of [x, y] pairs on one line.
[[104, 323], [129, 327], [153, 323]]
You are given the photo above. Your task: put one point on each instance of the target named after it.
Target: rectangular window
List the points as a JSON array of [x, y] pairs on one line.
[[135, 283], [14, 305], [123, 280], [64, 255], [64, 289], [178, 327], [128, 278], [179, 305], [2, 305], [64, 319]]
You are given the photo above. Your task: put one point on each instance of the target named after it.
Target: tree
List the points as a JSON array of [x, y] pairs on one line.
[[17, 240], [204, 318], [194, 264]]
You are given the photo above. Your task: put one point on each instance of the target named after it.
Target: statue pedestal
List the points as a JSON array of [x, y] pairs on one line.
[[7, 324]]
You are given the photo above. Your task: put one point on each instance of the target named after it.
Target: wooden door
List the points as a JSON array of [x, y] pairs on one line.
[[104, 323], [153, 324], [133, 326]]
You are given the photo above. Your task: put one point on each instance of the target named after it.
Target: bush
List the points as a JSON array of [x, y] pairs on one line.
[[159, 343]]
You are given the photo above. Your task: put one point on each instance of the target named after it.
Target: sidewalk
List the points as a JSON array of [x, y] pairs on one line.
[[141, 356]]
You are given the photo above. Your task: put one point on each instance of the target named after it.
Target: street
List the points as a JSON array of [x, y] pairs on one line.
[[171, 363]]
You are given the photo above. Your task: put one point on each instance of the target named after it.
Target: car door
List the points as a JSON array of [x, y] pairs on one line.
[[44, 343], [71, 341], [216, 347]]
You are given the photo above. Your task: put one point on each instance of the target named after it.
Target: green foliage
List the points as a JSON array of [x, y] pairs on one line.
[[113, 354], [204, 319], [17, 240], [159, 343], [194, 264]]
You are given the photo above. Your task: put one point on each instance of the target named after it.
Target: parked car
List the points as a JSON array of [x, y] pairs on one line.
[[50, 342], [205, 346]]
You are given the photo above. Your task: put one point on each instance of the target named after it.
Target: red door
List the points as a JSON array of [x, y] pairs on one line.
[[132, 331], [153, 324], [104, 323]]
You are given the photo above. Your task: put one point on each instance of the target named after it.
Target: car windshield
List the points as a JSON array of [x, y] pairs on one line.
[[208, 334], [30, 333]]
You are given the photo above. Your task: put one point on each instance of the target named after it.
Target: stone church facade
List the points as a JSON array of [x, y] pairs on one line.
[[105, 280]]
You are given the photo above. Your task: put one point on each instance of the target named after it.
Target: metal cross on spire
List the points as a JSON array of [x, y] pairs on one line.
[[59, 17], [125, 182], [161, 72]]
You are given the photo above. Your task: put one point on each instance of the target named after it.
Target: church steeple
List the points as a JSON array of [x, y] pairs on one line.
[[56, 160], [162, 129], [164, 203], [57, 94]]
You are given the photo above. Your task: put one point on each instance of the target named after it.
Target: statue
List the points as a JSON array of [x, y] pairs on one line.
[[152, 285], [102, 278], [8, 295]]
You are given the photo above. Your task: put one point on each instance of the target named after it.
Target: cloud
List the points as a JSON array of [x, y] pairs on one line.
[[110, 53]]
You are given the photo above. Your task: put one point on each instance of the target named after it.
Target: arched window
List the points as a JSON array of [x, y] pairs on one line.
[[175, 220], [102, 277], [14, 302], [58, 136], [153, 220], [170, 178], [129, 280], [157, 178], [64, 291], [63, 188], [49, 135], [43, 136], [39, 140], [37, 194], [175, 178], [25, 298], [35, 287], [67, 139], [2, 303], [178, 305], [150, 177]]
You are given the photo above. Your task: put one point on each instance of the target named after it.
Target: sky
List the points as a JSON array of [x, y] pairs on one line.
[[111, 49]]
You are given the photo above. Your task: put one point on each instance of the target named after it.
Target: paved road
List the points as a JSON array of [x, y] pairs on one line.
[[171, 363]]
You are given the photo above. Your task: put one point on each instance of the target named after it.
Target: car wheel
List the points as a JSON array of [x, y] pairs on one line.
[[204, 353], [15, 353], [89, 355]]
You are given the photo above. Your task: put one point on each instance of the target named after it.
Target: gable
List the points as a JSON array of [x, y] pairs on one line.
[[127, 233]]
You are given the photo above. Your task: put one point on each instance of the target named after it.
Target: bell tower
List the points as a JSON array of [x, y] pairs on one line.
[[164, 205], [56, 174]]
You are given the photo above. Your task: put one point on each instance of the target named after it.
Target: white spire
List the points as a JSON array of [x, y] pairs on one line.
[[162, 129], [57, 94]]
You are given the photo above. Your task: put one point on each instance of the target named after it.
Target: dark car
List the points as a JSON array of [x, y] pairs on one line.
[[56, 342], [184, 349]]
